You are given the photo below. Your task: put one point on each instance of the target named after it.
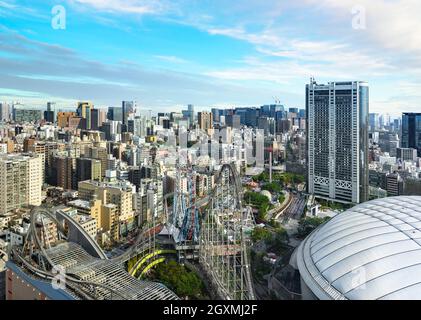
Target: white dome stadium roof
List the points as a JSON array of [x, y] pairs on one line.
[[371, 251]]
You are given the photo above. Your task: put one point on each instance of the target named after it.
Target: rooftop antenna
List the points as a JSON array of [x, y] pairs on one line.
[[312, 80]]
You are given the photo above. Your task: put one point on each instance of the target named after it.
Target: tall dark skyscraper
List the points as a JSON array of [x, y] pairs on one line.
[[95, 119], [411, 131], [337, 140], [233, 121], [115, 114], [49, 114], [192, 119], [127, 108]]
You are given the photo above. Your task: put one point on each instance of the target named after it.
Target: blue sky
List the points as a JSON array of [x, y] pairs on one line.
[[166, 54]]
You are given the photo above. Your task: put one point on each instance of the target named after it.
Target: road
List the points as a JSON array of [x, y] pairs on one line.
[[275, 211], [295, 209]]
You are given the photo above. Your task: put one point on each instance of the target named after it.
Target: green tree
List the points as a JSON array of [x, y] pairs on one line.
[[278, 240], [272, 187], [262, 177], [260, 233], [308, 224], [176, 277]]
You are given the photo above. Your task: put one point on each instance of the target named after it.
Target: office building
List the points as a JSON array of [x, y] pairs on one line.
[[95, 121], [88, 169], [337, 139], [394, 184], [4, 112], [49, 114], [115, 114], [127, 109], [411, 131], [63, 118], [374, 121], [406, 154], [233, 121], [84, 110], [26, 115], [190, 109], [205, 120]]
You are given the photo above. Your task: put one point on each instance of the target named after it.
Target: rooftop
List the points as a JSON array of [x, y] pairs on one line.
[[371, 251]]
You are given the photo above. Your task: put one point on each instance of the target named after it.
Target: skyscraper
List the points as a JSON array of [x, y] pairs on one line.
[[84, 110], [233, 121], [95, 122], [115, 114], [4, 112], [49, 114], [411, 131], [337, 140], [127, 108], [205, 120], [190, 108], [374, 121]]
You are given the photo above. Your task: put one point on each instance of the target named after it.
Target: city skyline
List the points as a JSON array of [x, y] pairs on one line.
[[169, 54]]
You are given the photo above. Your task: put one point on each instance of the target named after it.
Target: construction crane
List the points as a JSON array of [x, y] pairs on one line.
[[277, 100]]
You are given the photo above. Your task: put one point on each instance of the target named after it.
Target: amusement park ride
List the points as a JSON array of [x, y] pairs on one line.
[[209, 232]]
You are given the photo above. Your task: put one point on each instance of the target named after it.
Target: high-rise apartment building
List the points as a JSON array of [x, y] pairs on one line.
[[337, 140], [20, 181], [65, 172], [205, 120], [411, 131]]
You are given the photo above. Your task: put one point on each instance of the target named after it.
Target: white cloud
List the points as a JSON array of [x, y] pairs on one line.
[[172, 59], [127, 6]]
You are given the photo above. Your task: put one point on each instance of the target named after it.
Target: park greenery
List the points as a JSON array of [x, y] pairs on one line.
[[281, 179], [272, 187], [260, 233], [308, 224], [325, 204], [259, 266], [258, 201], [277, 239], [183, 282]]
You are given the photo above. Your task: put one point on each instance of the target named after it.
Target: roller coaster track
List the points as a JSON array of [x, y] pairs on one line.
[[223, 246], [152, 255], [85, 275], [223, 252]]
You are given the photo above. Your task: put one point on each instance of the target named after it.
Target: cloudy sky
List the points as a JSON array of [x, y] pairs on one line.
[[168, 53]]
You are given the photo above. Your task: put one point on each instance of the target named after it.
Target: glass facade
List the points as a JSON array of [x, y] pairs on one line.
[[411, 131]]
